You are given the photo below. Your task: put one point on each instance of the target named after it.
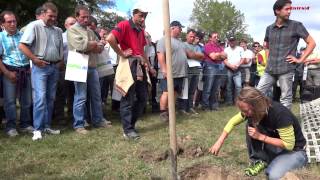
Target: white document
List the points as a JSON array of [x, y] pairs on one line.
[[305, 73], [104, 65], [116, 95], [77, 67], [185, 88]]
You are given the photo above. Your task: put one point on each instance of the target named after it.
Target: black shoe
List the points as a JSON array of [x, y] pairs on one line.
[[155, 110], [131, 135], [164, 116], [203, 108], [193, 111], [184, 112], [214, 109]]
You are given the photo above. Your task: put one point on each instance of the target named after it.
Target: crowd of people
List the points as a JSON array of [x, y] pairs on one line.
[[207, 73]]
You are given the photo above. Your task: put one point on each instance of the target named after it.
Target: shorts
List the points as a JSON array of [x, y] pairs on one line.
[[177, 85]]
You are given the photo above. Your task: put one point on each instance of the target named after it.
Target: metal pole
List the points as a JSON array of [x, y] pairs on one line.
[[171, 98]]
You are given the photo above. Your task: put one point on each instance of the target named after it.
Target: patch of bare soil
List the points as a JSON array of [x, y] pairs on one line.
[[192, 151], [304, 175], [183, 140], [206, 172], [290, 176], [149, 157]]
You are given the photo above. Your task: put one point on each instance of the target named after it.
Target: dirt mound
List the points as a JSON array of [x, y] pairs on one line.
[[290, 176], [183, 139], [191, 152], [206, 172], [149, 157], [302, 174]]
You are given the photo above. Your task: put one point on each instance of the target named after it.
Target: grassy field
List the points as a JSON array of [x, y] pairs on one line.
[[104, 154]]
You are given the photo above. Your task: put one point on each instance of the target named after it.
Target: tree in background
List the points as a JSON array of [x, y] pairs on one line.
[[25, 10], [222, 17], [105, 19]]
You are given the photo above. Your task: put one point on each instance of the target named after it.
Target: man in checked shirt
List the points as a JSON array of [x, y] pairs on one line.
[[282, 38]]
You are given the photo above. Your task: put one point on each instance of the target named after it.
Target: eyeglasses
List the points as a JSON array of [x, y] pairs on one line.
[[255, 46]]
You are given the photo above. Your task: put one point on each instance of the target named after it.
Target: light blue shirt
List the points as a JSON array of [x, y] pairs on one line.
[[193, 48], [9, 50]]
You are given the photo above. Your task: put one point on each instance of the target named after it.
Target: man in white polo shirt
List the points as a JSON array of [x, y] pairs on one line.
[[247, 61]]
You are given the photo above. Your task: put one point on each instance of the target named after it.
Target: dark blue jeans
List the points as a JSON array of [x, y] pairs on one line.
[[193, 80], [2, 114], [10, 95], [82, 90], [106, 85], [234, 80], [44, 83], [212, 74]]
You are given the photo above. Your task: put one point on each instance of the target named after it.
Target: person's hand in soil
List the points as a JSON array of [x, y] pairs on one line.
[[217, 145], [215, 148]]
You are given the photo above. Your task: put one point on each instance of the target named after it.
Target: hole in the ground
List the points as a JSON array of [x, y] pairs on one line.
[[207, 172]]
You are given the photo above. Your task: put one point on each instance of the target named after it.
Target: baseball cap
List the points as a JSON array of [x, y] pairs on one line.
[[176, 23], [140, 8], [231, 38]]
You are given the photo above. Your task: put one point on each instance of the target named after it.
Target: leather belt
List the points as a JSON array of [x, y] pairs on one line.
[[82, 52], [51, 62]]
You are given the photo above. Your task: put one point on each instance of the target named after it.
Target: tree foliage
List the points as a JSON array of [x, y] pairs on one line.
[[105, 19], [108, 19], [25, 10], [221, 17]]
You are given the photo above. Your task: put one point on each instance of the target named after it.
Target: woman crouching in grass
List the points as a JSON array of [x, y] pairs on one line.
[[274, 137]]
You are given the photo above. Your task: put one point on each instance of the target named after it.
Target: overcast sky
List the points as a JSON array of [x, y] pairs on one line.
[[258, 15]]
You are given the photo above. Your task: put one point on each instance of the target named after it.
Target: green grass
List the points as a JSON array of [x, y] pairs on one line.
[[104, 154]]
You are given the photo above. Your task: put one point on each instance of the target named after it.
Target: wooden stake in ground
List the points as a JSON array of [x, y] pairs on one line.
[[171, 102]]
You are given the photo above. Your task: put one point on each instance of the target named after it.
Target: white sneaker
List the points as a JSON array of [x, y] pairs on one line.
[[107, 122], [12, 133], [36, 135], [51, 131], [28, 129], [86, 124]]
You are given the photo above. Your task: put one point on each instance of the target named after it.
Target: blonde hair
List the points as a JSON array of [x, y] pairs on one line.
[[257, 101]]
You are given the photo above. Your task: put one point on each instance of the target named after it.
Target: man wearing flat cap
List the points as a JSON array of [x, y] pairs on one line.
[[130, 35]]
